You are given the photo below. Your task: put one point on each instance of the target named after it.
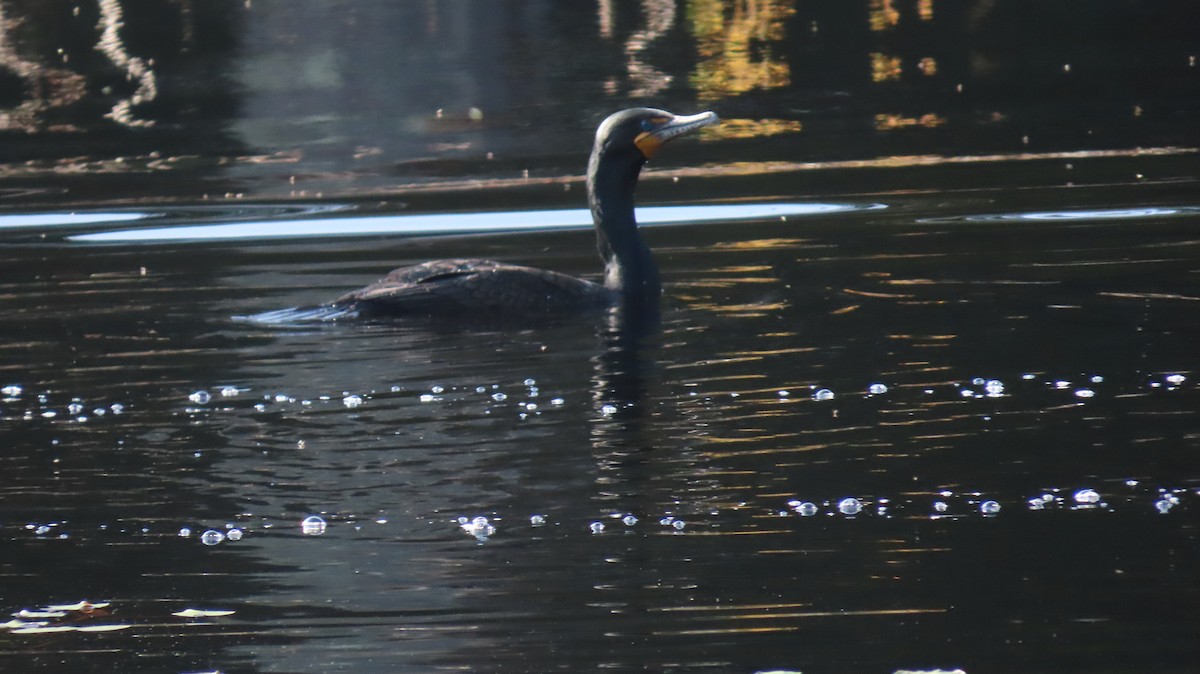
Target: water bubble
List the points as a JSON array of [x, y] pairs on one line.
[[479, 527], [117, 408], [1062, 384], [678, 525], [666, 521], [849, 506], [1087, 496], [234, 534], [427, 397], [1036, 504], [994, 388], [557, 401], [1175, 379], [75, 408], [784, 393], [940, 506], [312, 526], [437, 389], [185, 532], [481, 389], [531, 406], [629, 520], [230, 392], [966, 393], [530, 382], [1085, 393], [212, 537], [12, 390], [1097, 379], [499, 397], [537, 520], [1164, 505], [352, 401], [282, 397], [989, 507], [596, 527], [823, 394], [200, 397], [608, 410], [877, 389], [1028, 375], [806, 508]]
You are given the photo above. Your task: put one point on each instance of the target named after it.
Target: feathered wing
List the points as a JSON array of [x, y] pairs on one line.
[[446, 286]]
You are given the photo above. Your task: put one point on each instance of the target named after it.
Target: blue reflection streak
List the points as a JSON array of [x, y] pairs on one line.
[[21, 220], [1071, 216], [455, 223]]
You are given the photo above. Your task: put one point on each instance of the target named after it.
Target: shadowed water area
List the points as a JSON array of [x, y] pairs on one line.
[[922, 394]]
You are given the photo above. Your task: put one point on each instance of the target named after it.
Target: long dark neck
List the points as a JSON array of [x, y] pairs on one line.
[[629, 268]]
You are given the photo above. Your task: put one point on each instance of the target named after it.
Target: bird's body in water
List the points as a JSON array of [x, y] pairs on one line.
[[624, 141]]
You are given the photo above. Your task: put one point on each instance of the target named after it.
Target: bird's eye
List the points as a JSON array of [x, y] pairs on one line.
[[647, 125]]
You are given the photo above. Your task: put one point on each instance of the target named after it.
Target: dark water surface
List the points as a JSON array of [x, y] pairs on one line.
[[927, 399]]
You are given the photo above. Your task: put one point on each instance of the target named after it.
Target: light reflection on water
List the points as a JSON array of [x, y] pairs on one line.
[[847, 421], [1083, 215], [460, 223]]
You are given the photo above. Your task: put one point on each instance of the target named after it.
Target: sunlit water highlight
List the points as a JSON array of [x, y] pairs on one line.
[[459, 223]]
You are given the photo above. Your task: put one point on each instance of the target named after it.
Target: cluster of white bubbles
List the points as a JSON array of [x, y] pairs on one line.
[[670, 521], [75, 410], [436, 393], [214, 536], [1164, 504], [992, 388], [479, 527]]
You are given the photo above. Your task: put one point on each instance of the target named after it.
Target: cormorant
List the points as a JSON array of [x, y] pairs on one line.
[[624, 141]]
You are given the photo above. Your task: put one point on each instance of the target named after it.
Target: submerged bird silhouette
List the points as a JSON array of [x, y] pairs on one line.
[[624, 141]]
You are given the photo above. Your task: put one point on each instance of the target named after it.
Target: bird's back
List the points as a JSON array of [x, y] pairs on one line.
[[455, 286]]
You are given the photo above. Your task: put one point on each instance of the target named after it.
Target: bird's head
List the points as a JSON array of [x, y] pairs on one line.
[[639, 133]]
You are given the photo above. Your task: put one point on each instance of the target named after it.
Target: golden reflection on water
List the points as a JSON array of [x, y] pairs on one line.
[[112, 45], [725, 32], [750, 128], [48, 87], [885, 68]]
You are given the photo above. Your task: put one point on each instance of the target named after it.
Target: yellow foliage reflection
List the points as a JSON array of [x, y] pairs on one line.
[[882, 14], [885, 122], [884, 67], [750, 128], [732, 39]]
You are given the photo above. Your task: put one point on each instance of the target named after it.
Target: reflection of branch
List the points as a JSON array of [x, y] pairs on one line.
[[49, 87], [660, 17], [135, 68]]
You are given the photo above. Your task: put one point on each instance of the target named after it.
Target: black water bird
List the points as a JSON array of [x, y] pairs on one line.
[[624, 141]]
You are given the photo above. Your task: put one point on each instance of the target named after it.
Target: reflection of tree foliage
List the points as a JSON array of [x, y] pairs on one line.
[[734, 41]]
